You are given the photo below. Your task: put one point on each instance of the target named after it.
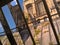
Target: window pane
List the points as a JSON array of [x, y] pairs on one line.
[[8, 16]]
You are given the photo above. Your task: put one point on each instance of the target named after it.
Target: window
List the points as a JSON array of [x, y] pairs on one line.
[[40, 8], [30, 10]]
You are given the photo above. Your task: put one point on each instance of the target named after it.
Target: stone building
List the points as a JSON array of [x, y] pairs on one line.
[[35, 9]]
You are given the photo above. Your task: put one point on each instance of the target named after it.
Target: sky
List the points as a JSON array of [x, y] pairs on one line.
[[14, 3], [8, 15]]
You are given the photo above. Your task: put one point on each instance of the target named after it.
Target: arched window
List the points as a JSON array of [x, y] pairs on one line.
[[29, 9]]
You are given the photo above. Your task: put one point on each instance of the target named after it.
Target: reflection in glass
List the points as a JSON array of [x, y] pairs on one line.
[[8, 16]]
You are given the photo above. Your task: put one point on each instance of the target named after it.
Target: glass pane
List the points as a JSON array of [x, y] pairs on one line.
[[3, 36], [43, 33], [8, 16], [21, 29], [4, 40], [37, 21], [1, 29], [55, 15]]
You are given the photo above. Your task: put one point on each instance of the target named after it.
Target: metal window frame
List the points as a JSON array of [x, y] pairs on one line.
[[7, 30], [9, 33], [26, 23], [51, 21], [5, 24]]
